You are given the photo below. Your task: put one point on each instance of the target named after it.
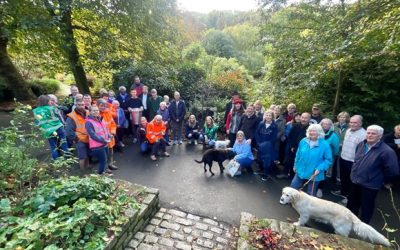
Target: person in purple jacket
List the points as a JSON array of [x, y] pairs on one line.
[[375, 162]]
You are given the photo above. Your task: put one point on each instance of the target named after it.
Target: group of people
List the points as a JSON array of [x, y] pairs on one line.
[[305, 147]]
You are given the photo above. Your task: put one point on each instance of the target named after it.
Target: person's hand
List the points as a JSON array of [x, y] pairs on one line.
[[130, 109], [190, 135], [195, 131], [294, 170], [248, 141], [316, 172], [177, 120], [292, 149]]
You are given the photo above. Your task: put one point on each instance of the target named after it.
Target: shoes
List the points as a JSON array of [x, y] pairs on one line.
[[282, 176], [153, 157], [343, 202], [134, 140], [180, 142], [195, 142], [175, 142], [338, 193], [108, 171], [319, 193], [266, 178], [112, 167], [121, 144], [166, 154]]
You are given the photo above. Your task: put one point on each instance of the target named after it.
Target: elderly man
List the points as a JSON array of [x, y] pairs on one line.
[[393, 141], [153, 103], [123, 98], [374, 163], [75, 131], [353, 136], [69, 101], [155, 135], [144, 96], [137, 85], [297, 133], [316, 114], [177, 111]]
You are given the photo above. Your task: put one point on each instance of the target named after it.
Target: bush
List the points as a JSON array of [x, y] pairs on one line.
[[44, 86], [67, 213]]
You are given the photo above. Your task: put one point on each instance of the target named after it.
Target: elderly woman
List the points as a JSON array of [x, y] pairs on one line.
[[333, 140], [99, 138], [313, 158], [155, 135], [265, 136], [243, 152]]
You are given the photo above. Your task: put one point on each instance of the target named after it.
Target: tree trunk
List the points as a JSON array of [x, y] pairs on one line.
[[70, 49], [13, 78], [339, 83]]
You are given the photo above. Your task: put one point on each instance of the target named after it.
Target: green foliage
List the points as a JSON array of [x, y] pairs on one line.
[[19, 168], [193, 52], [326, 50], [67, 213], [219, 44], [189, 76], [44, 86]]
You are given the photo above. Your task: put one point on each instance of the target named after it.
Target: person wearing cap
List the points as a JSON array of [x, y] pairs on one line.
[[316, 115], [233, 120]]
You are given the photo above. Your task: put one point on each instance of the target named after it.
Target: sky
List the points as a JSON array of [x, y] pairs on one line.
[[205, 6]]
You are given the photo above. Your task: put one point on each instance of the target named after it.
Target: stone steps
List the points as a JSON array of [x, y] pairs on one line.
[[175, 229]]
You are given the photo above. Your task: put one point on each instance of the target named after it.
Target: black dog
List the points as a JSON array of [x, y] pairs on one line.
[[218, 155]]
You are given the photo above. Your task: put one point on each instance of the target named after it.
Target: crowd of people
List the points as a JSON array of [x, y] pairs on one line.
[[306, 147]]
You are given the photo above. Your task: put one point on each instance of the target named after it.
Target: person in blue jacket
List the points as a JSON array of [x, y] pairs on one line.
[[242, 149], [313, 158]]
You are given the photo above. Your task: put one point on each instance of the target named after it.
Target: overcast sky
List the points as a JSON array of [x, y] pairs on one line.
[[205, 6]]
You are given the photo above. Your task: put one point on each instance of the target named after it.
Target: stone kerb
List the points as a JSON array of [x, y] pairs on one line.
[[149, 205], [286, 229]]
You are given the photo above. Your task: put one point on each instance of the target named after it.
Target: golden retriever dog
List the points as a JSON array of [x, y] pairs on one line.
[[342, 219]]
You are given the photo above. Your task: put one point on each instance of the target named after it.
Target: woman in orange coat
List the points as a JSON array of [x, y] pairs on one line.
[[108, 119], [155, 134]]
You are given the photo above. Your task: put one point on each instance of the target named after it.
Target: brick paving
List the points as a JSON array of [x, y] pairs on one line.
[[174, 229]]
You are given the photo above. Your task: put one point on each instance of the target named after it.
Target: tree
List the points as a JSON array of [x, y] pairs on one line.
[[219, 44]]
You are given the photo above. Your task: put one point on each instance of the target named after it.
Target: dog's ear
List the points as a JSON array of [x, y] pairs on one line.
[[294, 194]]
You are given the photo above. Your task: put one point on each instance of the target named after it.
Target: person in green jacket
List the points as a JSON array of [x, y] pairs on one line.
[[153, 103], [47, 120], [210, 132]]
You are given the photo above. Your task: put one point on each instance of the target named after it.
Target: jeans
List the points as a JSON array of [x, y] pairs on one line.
[[53, 140], [246, 163], [158, 145], [312, 186], [101, 155], [345, 171], [177, 130]]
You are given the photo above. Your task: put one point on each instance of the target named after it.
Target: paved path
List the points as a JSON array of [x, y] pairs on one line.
[[174, 229]]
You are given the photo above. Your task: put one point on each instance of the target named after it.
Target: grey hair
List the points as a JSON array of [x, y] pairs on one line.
[[101, 101], [317, 128], [53, 97], [240, 132], [377, 128], [122, 88], [328, 121], [358, 117]]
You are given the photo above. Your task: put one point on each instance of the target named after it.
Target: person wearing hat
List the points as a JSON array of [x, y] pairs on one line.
[[316, 116], [228, 106], [233, 120]]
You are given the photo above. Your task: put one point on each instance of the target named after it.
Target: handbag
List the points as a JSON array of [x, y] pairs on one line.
[[233, 168]]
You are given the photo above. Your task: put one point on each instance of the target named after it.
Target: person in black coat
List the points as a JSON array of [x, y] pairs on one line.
[[177, 111], [393, 141], [248, 124], [297, 133], [134, 102]]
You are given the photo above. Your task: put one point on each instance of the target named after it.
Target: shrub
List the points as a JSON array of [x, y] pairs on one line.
[[67, 213], [44, 86]]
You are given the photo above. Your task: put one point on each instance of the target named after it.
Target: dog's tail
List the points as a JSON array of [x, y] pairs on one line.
[[199, 161], [368, 233]]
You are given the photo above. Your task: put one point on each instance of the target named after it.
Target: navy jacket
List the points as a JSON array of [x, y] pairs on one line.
[[265, 138], [177, 112], [189, 130], [371, 169], [297, 133], [123, 101]]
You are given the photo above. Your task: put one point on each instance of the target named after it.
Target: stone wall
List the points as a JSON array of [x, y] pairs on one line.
[[285, 228], [137, 219]]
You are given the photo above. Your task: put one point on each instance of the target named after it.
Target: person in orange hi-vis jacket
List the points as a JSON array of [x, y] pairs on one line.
[[155, 134], [108, 119]]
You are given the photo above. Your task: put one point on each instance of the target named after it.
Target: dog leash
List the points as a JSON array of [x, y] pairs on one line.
[[311, 179]]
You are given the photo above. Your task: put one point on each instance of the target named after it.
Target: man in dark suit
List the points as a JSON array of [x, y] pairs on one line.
[[177, 111], [144, 96]]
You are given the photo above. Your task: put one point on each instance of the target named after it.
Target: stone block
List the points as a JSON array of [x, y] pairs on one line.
[[159, 215], [139, 236], [149, 228], [155, 221], [162, 210], [177, 213], [216, 230], [208, 244], [222, 240], [144, 246], [189, 239], [149, 199], [166, 242], [193, 217], [151, 239], [152, 191], [209, 221], [183, 246], [177, 236], [133, 244], [143, 211], [201, 226], [168, 225], [167, 217], [184, 221], [160, 231], [187, 230], [207, 235]]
